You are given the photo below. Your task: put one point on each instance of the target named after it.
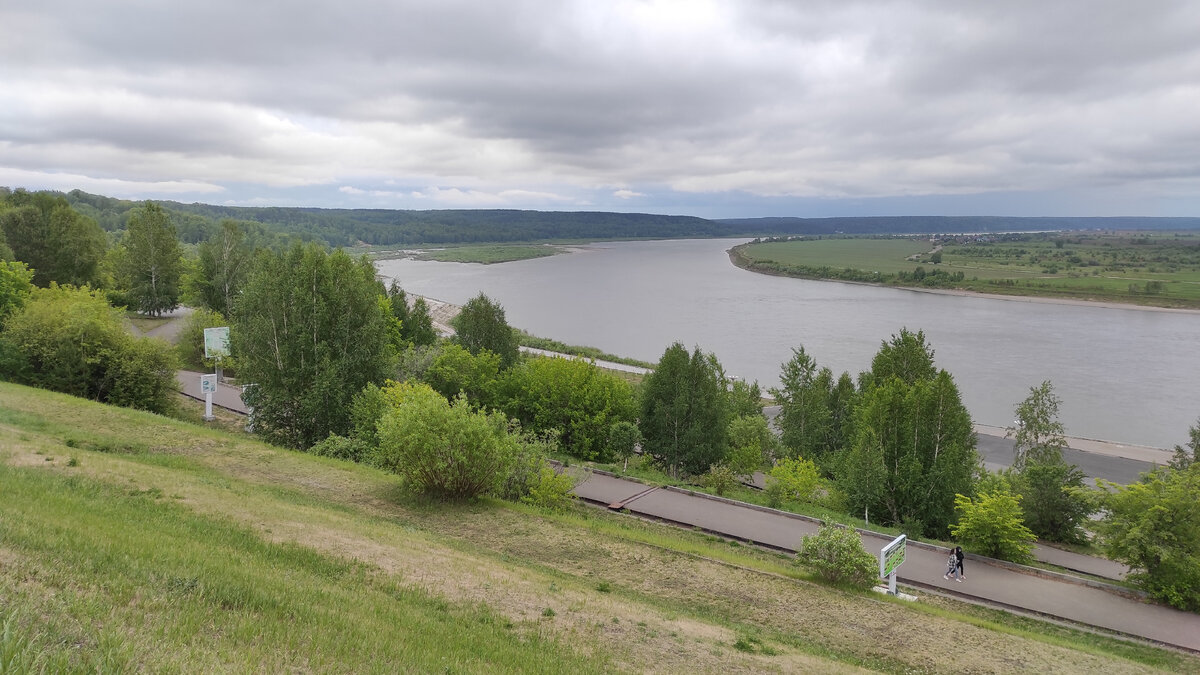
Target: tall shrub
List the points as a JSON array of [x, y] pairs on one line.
[[446, 449], [71, 340]]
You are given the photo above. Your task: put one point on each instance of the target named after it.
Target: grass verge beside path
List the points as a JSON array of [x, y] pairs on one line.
[[162, 545]]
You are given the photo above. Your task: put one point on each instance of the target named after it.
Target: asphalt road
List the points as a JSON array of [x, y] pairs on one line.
[[997, 453], [995, 582]]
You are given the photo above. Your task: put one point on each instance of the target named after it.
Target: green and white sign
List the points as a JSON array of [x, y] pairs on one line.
[[892, 556], [216, 342]]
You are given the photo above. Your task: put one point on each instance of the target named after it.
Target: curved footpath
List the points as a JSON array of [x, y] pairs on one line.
[[991, 581]]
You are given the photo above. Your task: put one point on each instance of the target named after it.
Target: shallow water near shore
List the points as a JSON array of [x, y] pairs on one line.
[[1125, 374]]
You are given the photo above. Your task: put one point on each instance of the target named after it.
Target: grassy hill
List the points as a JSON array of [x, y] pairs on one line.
[[130, 541]]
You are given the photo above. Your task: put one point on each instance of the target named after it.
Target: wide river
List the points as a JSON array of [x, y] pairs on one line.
[[1125, 375]]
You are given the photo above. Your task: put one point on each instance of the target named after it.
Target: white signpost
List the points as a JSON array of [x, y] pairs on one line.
[[890, 559], [208, 387]]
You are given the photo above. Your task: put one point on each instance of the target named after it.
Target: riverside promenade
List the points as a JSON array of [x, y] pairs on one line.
[[990, 581]]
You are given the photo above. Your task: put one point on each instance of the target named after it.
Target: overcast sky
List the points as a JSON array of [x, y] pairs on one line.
[[716, 109]]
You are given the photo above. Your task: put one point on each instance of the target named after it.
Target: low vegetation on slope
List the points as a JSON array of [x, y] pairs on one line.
[[129, 541]]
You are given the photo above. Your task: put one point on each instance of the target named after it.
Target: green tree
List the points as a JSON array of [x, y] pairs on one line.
[[843, 399], [223, 261], [751, 444], [914, 450], [71, 340], [420, 330], [6, 252], [1051, 490], [1053, 500], [153, 260], [366, 409], [837, 555], [1154, 527], [309, 333], [745, 398], [445, 449], [416, 325], [623, 440], [804, 415], [992, 525], [455, 371], [57, 242], [481, 325], [906, 357], [1039, 436], [793, 480], [399, 303], [1181, 458], [570, 395], [16, 283], [684, 413]]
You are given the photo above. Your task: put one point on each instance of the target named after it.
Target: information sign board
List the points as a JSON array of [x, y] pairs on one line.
[[892, 556], [216, 342]]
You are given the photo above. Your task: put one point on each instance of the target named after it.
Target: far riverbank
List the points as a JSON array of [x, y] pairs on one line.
[[741, 262]]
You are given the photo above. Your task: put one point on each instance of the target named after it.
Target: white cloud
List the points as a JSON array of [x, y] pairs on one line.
[[626, 194]]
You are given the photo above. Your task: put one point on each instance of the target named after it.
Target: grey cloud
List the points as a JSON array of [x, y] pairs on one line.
[[772, 98]]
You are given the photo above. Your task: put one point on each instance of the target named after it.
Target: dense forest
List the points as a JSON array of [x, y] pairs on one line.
[[389, 227]]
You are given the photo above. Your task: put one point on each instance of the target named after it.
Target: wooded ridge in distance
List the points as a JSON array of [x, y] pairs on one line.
[[388, 227]]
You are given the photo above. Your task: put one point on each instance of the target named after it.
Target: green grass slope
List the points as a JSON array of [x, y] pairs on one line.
[[133, 542]]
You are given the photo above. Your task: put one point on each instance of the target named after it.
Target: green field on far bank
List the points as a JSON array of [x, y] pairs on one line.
[[1145, 268], [129, 541]]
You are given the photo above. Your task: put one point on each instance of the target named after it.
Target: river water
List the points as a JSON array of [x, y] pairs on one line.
[[1124, 375]]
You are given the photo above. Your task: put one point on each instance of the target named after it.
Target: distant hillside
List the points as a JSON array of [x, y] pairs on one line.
[[940, 224], [389, 227]]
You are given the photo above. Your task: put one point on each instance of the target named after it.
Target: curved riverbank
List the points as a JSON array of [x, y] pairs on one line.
[[742, 262]]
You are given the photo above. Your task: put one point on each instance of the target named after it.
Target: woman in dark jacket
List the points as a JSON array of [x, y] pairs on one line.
[[958, 553]]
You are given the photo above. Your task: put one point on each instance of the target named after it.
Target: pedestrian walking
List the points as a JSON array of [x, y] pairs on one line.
[[958, 557], [951, 565]]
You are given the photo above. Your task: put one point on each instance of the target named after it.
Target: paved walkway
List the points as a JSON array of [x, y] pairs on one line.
[[1141, 453], [227, 396], [992, 581]]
